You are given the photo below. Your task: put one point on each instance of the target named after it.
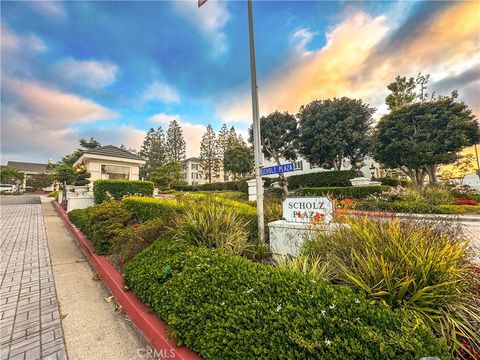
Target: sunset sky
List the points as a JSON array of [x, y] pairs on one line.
[[114, 69]]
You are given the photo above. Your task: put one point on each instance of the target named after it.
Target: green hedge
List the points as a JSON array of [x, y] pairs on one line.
[[320, 179], [240, 185], [145, 208], [226, 307], [356, 192], [118, 189], [79, 218], [394, 181], [416, 208]]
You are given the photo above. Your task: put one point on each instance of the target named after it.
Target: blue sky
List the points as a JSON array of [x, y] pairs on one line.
[[114, 69]]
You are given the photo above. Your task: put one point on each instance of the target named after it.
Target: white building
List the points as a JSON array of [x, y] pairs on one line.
[[193, 173], [472, 180], [110, 162]]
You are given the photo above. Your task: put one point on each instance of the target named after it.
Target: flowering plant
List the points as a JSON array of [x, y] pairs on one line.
[[463, 201]]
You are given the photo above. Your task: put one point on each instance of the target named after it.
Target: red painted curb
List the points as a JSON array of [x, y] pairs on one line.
[[152, 328]]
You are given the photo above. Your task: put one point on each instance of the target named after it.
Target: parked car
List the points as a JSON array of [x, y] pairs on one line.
[[8, 188]]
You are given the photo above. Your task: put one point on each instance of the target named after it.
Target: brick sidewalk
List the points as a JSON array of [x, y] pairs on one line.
[[29, 316]]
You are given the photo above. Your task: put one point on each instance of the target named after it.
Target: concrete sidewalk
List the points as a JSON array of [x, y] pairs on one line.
[[92, 328]]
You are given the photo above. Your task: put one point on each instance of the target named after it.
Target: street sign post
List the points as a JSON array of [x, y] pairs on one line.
[[278, 169]]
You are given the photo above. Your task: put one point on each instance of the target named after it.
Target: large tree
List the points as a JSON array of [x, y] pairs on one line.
[[279, 133], [334, 130], [226, 140], [9, 175], [153, 151], [167, 174], [419, 137], [209, 154], [239, 161], [85, 145], [175, 144]]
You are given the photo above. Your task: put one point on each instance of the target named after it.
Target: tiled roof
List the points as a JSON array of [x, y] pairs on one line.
[[28, 167], [110, 150]]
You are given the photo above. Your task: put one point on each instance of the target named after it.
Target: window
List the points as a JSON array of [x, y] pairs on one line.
[[115, 172], [194, 166], [314, 166], [299, 165], [195, 176]]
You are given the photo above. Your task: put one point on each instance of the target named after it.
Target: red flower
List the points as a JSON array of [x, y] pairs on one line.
[[135, 225], [463, 201]]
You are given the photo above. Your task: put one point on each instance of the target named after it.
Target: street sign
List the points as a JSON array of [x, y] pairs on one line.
[[278, 169], [308, 209]]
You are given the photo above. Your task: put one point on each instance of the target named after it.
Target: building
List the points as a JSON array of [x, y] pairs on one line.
[[193, 173], [28, 169], [110, 162]]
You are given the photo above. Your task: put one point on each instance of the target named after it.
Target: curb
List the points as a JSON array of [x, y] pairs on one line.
[[152, 328]]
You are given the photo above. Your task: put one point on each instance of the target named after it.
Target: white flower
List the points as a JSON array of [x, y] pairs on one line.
[[313, 281], [279, 307], [198, 265], [298, 291], [249, 291], [223, 303], [332, 306], [357, 301], [322, 312], [328, 342], [311, 296]]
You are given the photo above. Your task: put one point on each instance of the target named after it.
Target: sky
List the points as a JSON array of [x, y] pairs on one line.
[[114, 69]]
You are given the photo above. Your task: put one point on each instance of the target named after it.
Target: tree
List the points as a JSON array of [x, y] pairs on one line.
[[175, 145], [65, 174], [402, 92], [416, 138], [209, 154], [227, 139], [8, 175], [239, 161], [167, 174], [153, 151], [333, 130], [279, 133], [39, 181], [85, 145], [461, 167], [81, 178]]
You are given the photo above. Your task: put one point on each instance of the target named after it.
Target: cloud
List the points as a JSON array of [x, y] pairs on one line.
[[192, 133], [209, 19], [354, 61], [93, 74], [52, 9], [12, 42], [160, 92]]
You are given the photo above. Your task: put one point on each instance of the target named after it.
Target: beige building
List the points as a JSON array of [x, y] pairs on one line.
[[110, 162], [28, 169], [193, 173]]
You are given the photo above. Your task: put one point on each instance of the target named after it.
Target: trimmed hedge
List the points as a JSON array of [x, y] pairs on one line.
[[320, 179], [79, 218], [394, 182], [416, 208], [356, 192], [145, 208], [226, 307], [240, 185], [118, 189]]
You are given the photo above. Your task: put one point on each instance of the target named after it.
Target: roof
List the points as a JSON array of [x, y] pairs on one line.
[[193, 159], [28, 167], [113, 151]]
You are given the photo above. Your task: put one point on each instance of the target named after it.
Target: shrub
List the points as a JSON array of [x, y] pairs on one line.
[[227, 307], [118, 189], [145, 208], [463, 201], [54, 194], [104, 221], [275, 194], [415, 207], [240, 185], [421, 266], [214, 225], [321, 179], [394, 182], [79, 218], [356, 192], [133, 239]]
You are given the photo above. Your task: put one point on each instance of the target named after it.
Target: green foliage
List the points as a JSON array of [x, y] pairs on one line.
[[54, 194], [39, 181], [402, 92], [333, 130], [85, 145], [175, 143], [240, 185], [133, 239], [79, 218], [355, 192], [118, 189], [167, 174], [275, 194], [81, 178], [238, 161], [420, 266], [145, 208], [394, 182], [419, 137], [211, 224], [154, 152], [210, 160], [9, 175], [65, 173], [104, 222], [226, 307], [320, 179]]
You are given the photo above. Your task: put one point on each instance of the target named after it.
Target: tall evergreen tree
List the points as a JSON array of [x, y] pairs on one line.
[[153, 151], [85, 145], [175, 142], [209, 154], [223, 145]]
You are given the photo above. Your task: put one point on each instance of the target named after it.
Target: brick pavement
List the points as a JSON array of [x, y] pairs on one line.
[[29, 316]]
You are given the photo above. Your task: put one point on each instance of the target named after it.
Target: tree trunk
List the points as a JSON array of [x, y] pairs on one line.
[[281, 177], [432, 173]]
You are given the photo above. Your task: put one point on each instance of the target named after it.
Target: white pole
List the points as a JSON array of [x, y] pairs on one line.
[[257, 139]]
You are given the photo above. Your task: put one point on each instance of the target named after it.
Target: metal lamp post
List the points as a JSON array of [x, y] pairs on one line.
[[372, 172]]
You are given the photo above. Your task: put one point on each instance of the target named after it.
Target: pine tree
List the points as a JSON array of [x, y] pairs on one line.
[[223, 141], [209, 157], [175, 145], [153, 151]]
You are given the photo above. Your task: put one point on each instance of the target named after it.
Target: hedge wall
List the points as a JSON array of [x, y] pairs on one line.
[[240, 185], [118, 189], [319, 179], [145, 208], [356, 192], [226, 307]]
